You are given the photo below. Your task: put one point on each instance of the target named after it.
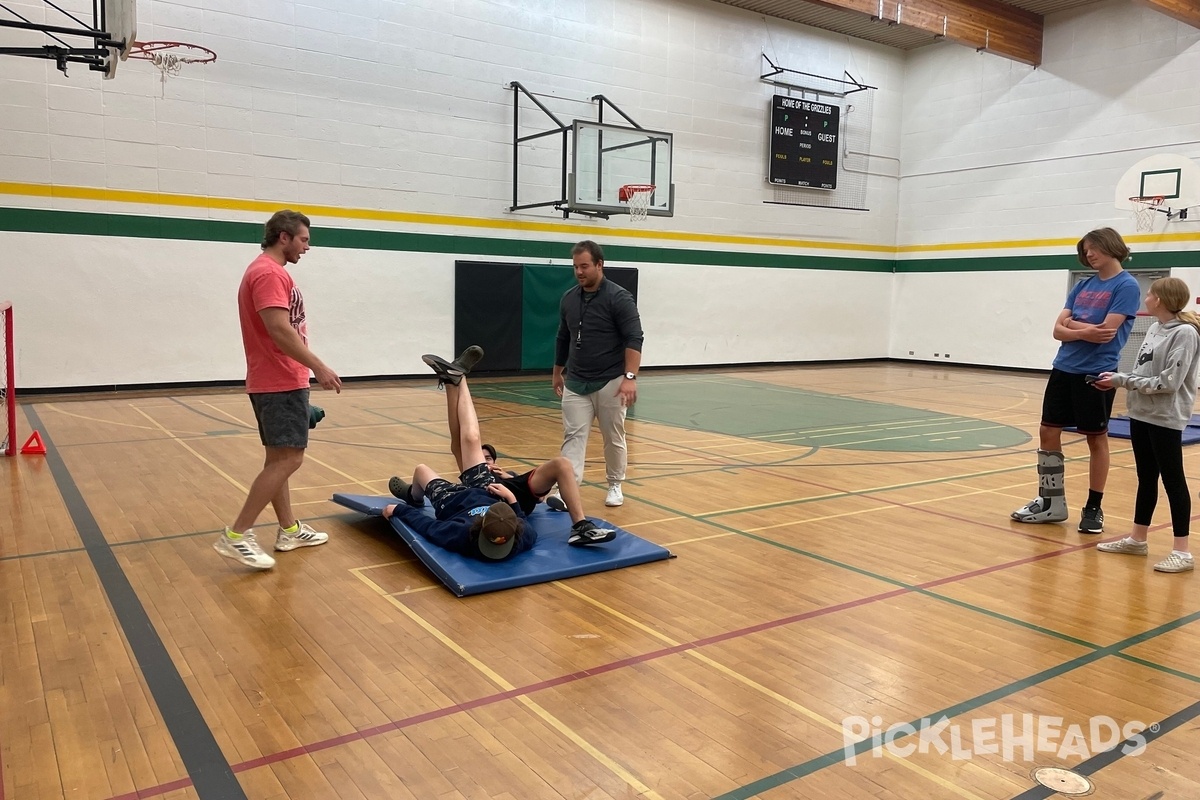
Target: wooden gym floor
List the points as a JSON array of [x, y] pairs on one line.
[[845, 562]]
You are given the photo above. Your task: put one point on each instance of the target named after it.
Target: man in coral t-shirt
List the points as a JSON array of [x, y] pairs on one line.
[[275, 338]]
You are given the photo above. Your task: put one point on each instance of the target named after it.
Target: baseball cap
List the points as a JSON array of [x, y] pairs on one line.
[[500, 521]]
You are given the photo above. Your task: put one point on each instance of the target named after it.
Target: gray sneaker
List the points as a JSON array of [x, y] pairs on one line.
[[1091, 520], [1126, 544], [1176, 562]]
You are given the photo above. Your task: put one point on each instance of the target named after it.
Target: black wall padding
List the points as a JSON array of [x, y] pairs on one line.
[[487, 312]]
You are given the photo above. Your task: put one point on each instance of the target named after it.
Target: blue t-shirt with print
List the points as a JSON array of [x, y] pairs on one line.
[[1090, 301]]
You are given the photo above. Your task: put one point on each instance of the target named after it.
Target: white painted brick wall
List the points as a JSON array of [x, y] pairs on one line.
[[402, 106], [996, 151]]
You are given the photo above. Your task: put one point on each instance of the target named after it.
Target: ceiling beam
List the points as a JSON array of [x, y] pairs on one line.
[[987, 25], [1186, 11]]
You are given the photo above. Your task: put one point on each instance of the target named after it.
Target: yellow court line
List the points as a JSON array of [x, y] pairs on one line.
[[237, 419], [758, 687], [57, 410], [888, 507], [642, 789], [854, 492], [404, 592], [182, 443], [193, 451], [721, 535], [655, 521]]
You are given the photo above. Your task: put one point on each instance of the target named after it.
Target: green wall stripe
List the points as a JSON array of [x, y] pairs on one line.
[[32, 220], [1066, 261]]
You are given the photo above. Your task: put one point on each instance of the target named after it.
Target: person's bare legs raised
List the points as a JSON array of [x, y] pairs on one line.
[[466, 444]]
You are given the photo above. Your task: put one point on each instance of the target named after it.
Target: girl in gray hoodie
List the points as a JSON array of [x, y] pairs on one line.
[[1161, 392]]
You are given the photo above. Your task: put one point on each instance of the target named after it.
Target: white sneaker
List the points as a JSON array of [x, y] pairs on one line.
[[245, 549], [1176, 562], [555, 502], [614, 498], [305, 537]]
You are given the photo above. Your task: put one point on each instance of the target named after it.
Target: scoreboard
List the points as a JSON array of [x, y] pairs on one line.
[[804, 143]]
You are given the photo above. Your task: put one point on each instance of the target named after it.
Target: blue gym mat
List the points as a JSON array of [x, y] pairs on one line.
[[1118, 428], [551, 558]]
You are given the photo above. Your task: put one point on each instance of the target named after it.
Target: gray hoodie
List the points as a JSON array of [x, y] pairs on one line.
[[1162, 386]]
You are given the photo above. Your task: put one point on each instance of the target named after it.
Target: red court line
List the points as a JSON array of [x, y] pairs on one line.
[[561, 680]]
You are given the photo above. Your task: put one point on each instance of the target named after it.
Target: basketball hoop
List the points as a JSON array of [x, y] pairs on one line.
[[637, 197], [1143, 211], [170, 57]]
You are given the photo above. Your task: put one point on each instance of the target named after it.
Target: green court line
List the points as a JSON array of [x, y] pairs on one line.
[[836, 756]]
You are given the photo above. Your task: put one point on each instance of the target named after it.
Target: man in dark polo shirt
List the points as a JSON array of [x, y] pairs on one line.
[[596, 359]]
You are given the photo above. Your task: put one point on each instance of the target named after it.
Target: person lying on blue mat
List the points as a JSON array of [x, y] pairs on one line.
[[469, 518], [554, 501]]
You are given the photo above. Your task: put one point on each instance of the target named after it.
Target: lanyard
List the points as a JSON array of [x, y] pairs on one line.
[[585, 300]]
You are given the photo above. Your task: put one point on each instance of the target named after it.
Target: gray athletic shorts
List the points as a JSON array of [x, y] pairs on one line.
[[282, 418]]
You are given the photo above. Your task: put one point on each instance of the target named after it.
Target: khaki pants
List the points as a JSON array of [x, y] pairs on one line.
[[578, 411]]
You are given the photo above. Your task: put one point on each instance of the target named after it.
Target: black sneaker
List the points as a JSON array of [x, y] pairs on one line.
[[586, 532], [467, 359], [446, 371], [1091, 520]]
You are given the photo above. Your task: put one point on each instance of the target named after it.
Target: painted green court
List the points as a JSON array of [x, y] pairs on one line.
[[784, 415]]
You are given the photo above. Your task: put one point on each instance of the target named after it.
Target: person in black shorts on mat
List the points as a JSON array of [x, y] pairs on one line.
[[552, 501], [458, 506]]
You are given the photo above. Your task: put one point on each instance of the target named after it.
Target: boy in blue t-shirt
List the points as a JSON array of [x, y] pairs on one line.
[[1092, 328]]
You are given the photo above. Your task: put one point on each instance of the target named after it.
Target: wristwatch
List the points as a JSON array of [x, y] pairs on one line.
[[629, 376]]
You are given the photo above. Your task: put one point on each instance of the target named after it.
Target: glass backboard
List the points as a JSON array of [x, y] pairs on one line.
[[607, 157]]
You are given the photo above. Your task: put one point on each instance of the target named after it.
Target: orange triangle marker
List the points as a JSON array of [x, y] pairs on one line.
[[34, 446]]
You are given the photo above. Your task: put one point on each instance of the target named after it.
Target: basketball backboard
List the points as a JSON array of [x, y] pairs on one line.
[[607, 157], [95, 33], [120, 21], [1174, 178]]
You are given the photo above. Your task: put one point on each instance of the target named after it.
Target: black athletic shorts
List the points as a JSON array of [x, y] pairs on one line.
[[519, 486], [1070, 401], [282, 418]]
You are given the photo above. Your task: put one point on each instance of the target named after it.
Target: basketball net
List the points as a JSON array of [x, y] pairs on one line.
[[1144, 209], [169, 57], [637, 198]]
